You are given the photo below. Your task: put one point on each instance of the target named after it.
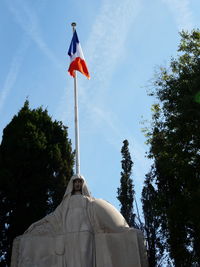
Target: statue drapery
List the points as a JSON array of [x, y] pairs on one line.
[[81, 232]]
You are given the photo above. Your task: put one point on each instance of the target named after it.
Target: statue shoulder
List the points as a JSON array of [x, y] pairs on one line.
[[108, 217]]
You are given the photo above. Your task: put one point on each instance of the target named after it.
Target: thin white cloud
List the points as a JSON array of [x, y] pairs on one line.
[[106, 46], [13, 71], [28, 21], [182, 13]]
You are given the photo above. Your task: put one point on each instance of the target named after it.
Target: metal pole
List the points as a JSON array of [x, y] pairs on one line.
[[76, 116]]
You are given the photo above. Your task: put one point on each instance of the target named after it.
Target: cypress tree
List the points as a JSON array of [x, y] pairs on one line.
[[36, 162], [126, 190]]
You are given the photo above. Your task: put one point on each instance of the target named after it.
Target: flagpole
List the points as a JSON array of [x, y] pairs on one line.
[[76, 116]]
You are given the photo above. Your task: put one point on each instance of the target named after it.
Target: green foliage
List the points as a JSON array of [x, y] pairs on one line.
[[36, 162], [126, 191], [155, 239], [175, 147]]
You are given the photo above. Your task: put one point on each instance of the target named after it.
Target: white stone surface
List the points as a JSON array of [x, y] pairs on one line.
[[81, 232]]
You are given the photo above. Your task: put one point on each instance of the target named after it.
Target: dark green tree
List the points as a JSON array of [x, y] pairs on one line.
[[174, 140], [36, 162], [126, 190], [156, 249]]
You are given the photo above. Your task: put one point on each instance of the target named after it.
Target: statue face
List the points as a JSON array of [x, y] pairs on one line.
[[77, 185]]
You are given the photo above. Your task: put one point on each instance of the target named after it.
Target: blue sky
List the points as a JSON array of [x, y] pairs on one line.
[[124, 42]]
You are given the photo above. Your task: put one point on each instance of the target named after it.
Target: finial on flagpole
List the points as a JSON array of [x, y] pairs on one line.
[[73, 26]]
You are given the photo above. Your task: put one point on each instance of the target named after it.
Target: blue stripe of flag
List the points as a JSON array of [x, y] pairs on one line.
[[72, 48]]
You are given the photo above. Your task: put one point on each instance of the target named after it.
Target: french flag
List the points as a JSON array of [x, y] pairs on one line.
[[77, 58]]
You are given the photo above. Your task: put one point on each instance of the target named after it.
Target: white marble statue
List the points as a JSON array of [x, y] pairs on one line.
[[81, 232]]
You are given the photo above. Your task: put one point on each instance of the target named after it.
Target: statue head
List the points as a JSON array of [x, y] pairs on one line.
[[77, 186]]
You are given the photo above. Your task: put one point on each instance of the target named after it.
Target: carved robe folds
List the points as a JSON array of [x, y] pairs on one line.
[[100, 238], [81, 232]]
